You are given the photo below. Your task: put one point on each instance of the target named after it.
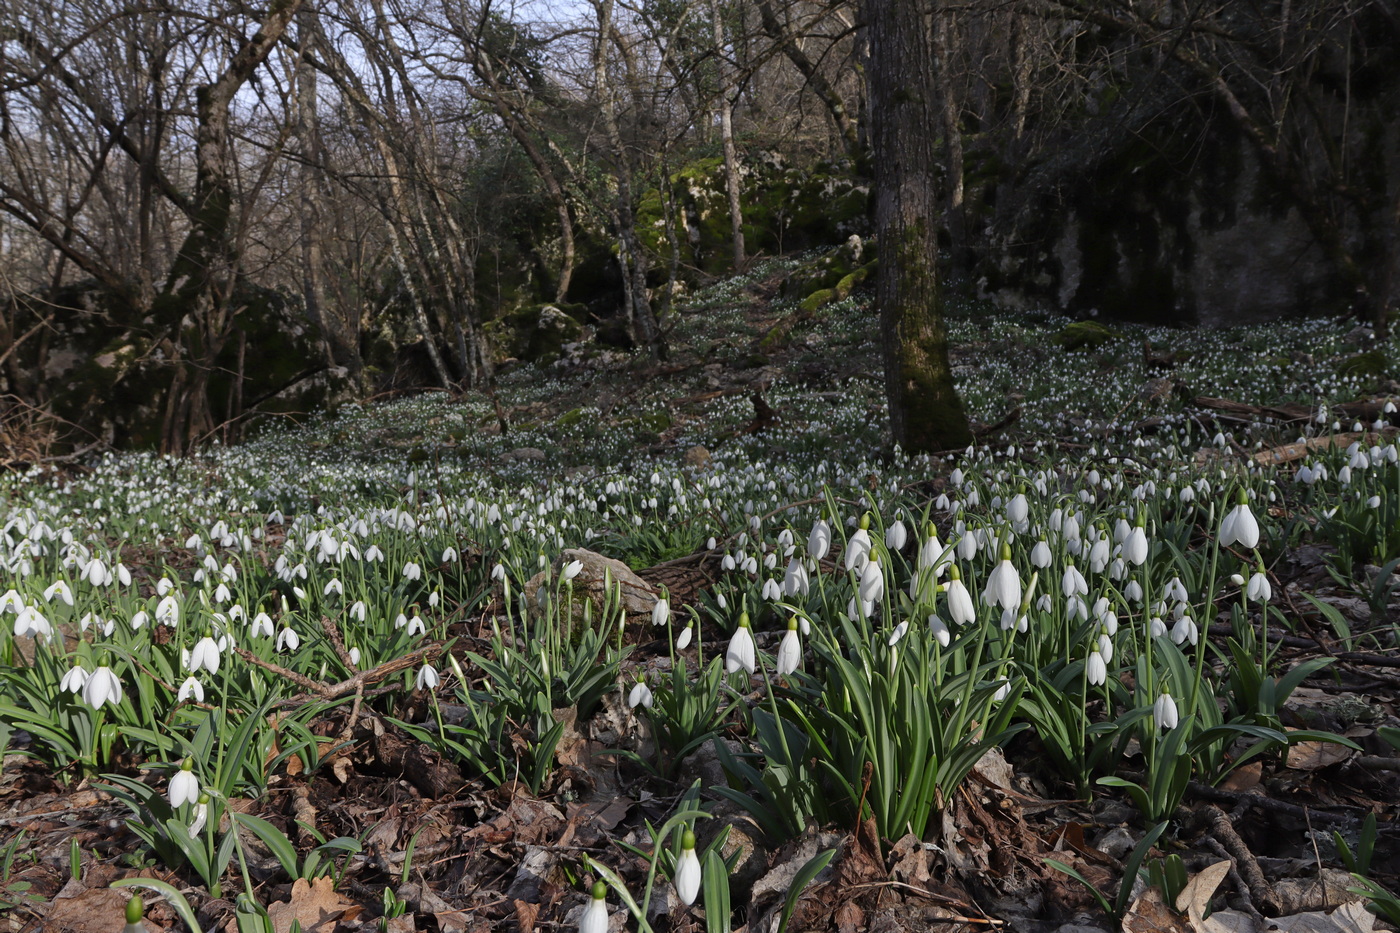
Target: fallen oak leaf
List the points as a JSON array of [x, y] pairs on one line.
[[316, 905]]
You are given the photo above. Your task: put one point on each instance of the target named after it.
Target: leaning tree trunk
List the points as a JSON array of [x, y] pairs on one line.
[[926, 413], [196, 304]]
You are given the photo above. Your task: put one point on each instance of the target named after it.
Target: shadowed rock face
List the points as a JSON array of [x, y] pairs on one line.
[[596, 576]]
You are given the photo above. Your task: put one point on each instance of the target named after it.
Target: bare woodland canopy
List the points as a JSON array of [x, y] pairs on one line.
[[394, 172]]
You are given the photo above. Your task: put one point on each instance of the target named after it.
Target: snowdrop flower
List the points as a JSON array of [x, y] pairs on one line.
[[1073, 582], [205, 656], [1040, 555], [1133, 591], [1239, 526], [201, 815], [449, 555], [415, 627], [872, 582], [1096, 668], [288, 639], [727, 562], [184, 786], [898, 633], [333, 586], [960, 606], [1164, 712], [168, 611], [74, 680], [819, 541], [1003, 583], [1157, 628], [1014, 619], [740, 653], [858, 547], [190, 688], [59, 589], [102, 687], [795, 579], [1185, 630], [683, 640], [373, 553], [640, 695], [661, 612], [1259, 590], [595, 915], [31, 621], [571, 570], [687, 875], [789, 650], [411, 571], [939, 630], [896, 535], [1135, 545], [11, 602], [355, 656], [427, 678]]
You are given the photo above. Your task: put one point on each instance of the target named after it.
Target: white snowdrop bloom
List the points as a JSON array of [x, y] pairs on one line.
[[1175, 590], [374, 554], [1040, 555], [400, 620], [595, 915], [789, 656], [1096, 668], [74, 680], [570, 571], [899, 632], [1240, 527], [872, 582], [1164, 712], [205, 656], [967, 546], [1105, 645], [1099, 555], [354, 656], [102, 687], [222, 594], [1003, 583], [683, 639], [688, 875], [261, 625], [1185, 631], [960, 606], [168, 611], [427, 678], [358, 610], [411, 571], [772, 590], [1044, 602], [59, 589], [287, 639], [896, 536], [727, 562], [939, 630], [1259, 589], [1157, 628], [31, 623], [858, 550], [1133, 591], [415, 627], [795, 579], [1135, 546], [740, 653], [11, 602], [184, 786], [1374, 502], [640, 695], [1073, 582], [190, 688]]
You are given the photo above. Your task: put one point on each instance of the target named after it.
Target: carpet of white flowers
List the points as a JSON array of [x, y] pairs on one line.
[[1100, 579]]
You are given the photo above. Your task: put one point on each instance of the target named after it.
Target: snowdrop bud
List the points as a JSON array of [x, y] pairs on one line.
[[872, 582], [184, 786], [687, 870], [740, 654], [939, 630], [683, 640], [789, 650], [595, 915]]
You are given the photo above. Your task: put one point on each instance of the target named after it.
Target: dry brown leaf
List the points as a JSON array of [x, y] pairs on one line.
[[525, 916], [1349, 918], [1311, 756], [1229, 921], [1150, 914], [79, 909], [1194, 899], [315, 904], [1244, 778]]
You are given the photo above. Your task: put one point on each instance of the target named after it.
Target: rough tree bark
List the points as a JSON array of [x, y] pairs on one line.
[[726, 131], [926, 413]]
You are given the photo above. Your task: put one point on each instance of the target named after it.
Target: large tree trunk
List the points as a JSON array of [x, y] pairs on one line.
[[196, 303], [835, 106], [926, 413], [726, 130]]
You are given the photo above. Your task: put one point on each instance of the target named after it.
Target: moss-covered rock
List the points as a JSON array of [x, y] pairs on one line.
[[1368, 365], [818, 298], [536, 333], [1082, 334]]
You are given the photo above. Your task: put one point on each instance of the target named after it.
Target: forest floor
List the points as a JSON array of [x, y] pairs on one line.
[[757, 409]]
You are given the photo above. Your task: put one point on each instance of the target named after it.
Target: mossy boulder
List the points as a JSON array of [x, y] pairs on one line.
[[535, 333], [818, 298], [1085, 334], [1368, 365]]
